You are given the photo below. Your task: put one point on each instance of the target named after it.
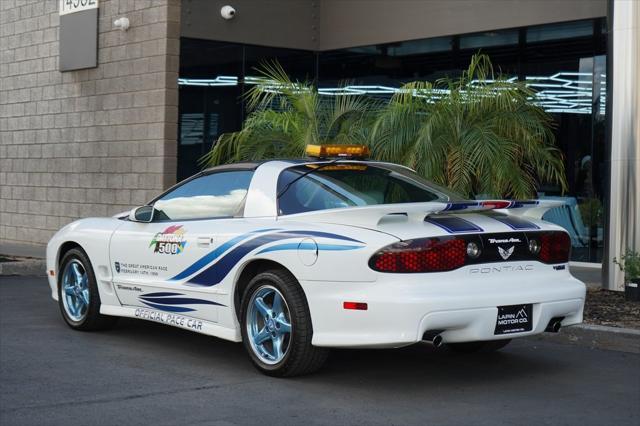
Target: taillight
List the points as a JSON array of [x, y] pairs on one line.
[[499, 204], [554, 247], [421, 255]]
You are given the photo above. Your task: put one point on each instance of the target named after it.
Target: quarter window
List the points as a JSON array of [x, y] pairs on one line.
[[216, 195]]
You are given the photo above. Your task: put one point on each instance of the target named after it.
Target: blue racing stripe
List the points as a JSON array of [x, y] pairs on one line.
[[215, 273], [177, 301], [210, 257], [161, 294], [308, 246], [168, 308], [461, 205], [515, 222], [525, 203], [324, 235], [453, 224]]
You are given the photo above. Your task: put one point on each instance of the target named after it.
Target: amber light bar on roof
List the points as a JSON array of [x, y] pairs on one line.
[[328, 151], [324, 167]]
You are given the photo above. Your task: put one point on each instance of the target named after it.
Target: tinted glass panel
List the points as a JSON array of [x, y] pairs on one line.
[[215, 195], [560, 31], [489, 38], [415, 47], [351, 186]]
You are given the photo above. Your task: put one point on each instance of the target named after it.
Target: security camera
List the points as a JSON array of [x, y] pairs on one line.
[[228, 12], [121, 23]]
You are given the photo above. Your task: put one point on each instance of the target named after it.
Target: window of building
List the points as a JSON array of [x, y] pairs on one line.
[[565, 63], [488, 39], [421, 47], [560, 31]]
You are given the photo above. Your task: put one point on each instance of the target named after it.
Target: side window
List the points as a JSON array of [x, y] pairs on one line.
[[216, 195]]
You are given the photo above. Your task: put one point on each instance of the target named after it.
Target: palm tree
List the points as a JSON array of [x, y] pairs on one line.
[[285, 116], [476, 134]]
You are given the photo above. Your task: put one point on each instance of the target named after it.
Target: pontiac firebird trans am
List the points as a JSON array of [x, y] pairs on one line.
[[295, 257]]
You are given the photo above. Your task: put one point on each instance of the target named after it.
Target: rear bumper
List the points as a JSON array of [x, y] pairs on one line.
[[464, 307]]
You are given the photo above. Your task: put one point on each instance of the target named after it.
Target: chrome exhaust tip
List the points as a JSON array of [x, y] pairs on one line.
[[554, 325], [434, 337], [437, 341]]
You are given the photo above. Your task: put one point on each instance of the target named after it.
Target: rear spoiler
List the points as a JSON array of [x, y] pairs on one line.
[[534, 209], [372, 216]]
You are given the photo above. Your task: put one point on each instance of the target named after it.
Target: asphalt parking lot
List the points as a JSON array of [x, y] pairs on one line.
[[146, 373]]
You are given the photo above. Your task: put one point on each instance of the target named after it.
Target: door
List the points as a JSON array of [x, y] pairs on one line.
[[151, 261]]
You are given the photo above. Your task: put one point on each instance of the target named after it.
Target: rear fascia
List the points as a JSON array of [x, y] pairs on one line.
[[494, 247]]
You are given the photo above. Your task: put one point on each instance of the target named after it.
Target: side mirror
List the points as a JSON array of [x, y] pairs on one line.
[[142, 214]]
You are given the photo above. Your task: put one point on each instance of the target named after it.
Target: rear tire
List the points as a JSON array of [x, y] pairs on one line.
[[78, 295], [474, 347], [276, 326]]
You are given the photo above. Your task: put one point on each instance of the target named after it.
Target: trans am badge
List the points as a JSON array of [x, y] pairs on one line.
[[169, 241]]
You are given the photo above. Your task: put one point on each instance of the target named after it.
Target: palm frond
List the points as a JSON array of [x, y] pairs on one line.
[[477, 134]]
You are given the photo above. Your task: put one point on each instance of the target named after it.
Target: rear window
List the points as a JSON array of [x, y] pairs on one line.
[[352, 185]]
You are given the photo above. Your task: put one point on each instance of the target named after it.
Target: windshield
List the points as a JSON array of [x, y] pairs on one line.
[[316, 186]]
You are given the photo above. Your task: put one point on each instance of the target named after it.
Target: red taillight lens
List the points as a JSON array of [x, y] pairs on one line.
[[421, 255], [499, 204], [555, 247]]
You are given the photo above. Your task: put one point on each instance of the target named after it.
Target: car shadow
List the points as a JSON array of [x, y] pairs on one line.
[[400, 370]]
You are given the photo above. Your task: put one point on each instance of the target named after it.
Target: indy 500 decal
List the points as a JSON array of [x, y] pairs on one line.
[[169, 241]]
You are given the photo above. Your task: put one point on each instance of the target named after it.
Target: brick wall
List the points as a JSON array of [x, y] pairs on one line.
[[91, 142]]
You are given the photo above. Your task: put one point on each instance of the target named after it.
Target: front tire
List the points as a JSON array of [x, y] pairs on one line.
[[78, 295], [276, 326]]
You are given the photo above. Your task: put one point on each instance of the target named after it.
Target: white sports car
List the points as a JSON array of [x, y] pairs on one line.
[[295, 257]]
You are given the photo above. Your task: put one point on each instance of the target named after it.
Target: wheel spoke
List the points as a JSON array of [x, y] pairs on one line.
[[84, 284], [85, 296], [277, 346], [277, 304], [73, 305], [262, 307], [77, 273], [68, 290], [261, 337], [285, 327], [77, 309]]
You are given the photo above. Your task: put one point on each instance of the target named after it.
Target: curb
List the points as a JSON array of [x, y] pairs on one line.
[[596, 337], [24, 267]]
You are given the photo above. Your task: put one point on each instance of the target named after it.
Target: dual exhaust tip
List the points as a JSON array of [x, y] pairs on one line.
[[435, 336]]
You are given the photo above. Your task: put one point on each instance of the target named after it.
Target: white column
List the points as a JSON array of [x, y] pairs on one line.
[[624, 202]]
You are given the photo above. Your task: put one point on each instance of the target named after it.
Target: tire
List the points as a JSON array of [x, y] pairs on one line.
[[80, 304], [474, 347], [264, 323]]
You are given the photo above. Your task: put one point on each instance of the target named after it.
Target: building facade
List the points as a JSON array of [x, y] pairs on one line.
[[99, 140]]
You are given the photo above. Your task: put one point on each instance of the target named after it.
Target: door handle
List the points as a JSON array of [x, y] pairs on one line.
[[204, 242]]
